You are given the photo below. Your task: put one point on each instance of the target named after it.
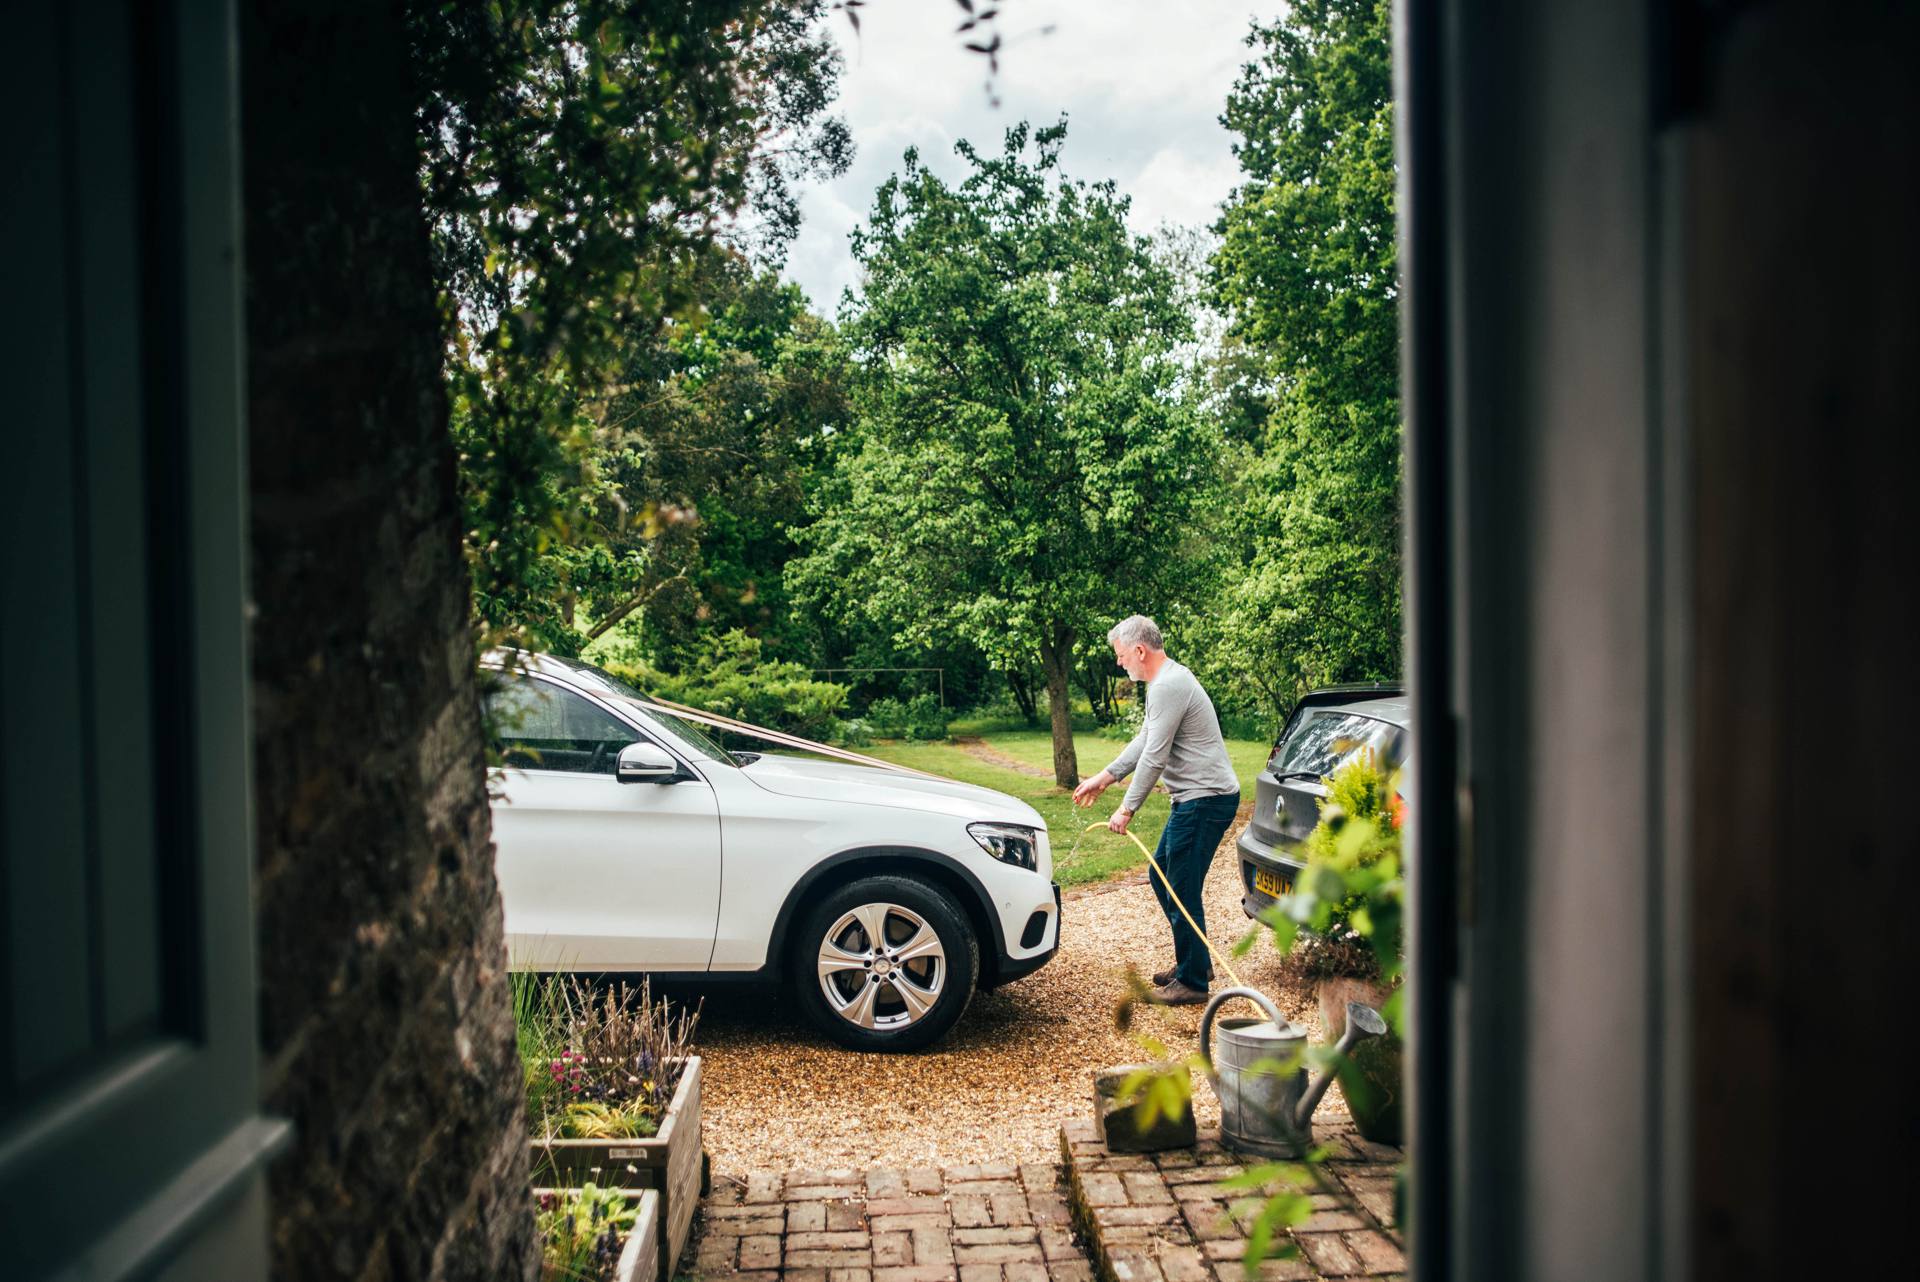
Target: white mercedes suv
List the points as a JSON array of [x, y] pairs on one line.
[[627, 839]]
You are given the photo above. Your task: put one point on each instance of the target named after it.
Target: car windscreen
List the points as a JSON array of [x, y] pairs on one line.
[[1327, 738], [691, 733]]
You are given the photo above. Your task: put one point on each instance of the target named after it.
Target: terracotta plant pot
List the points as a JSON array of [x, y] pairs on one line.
[[1372, 1085], [669, 1162]]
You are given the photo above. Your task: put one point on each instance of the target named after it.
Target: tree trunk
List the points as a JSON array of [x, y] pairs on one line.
[[386, 1021], [1021, 683], [1056, 660], [1098, 692]]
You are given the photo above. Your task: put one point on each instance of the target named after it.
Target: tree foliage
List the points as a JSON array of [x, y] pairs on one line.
[[581, 160], [1022, 467], [1306, 272]]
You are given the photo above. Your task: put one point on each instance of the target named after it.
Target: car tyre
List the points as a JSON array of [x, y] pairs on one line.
[[885, 963]]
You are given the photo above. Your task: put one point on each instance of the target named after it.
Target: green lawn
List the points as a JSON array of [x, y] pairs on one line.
[[1099, 854]]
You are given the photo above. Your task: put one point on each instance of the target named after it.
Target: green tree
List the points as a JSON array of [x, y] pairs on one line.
[[1022, 468], [581, 158], [1306, 272]]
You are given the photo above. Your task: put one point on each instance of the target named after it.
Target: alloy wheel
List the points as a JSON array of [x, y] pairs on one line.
[[881, 966]]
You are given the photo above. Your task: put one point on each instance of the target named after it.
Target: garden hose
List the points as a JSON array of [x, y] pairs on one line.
[[1155, 865]]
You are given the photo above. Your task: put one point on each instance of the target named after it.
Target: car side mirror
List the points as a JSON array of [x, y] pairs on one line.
[[645, 762]]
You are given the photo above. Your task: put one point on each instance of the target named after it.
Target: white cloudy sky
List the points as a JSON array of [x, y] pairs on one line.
[[1142, 83]]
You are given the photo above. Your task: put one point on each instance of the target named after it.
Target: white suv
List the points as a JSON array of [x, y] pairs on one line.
[[628, 840]]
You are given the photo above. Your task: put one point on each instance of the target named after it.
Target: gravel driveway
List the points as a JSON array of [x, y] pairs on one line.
[[1020, 1061]]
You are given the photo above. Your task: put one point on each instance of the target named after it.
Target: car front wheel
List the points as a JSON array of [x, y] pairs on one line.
[[886, 963]]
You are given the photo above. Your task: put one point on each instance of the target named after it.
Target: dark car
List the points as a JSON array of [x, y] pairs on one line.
[[1327, 728]]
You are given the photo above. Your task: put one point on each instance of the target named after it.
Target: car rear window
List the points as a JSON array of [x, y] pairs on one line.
[[1327, 738]]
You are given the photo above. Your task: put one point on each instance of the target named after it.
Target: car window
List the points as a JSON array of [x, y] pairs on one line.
[[539, 726], [1327, 738], [696, 738]]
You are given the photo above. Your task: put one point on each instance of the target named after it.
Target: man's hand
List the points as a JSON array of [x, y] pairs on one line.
[[1121, 818], [1090, 789]]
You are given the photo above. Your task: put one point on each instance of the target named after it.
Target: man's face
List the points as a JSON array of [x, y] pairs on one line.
[[1131, 658]]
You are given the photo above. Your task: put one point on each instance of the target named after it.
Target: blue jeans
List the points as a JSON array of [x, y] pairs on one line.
[[1186, 849]]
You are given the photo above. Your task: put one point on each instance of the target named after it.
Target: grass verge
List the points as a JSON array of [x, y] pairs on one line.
[[1079, 857]]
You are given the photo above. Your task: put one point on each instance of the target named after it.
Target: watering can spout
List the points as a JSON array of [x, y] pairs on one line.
[[1362, 1022]]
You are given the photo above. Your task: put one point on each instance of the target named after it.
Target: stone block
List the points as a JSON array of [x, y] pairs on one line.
[[1025, 1271], [849, 1275], [807, 1217], [970, 1212], [999, 1253], [1058, 1244], [1327, 1253], [1208, 1222], [892, 1249], [1330, 1221], [1184, 1264], [982, 1188], [1048, 1208], [923, 1180], [994, 1236], [1134, 1264], [1146, 1188], [909, 1223], [917, 1273], [1376, 1252], [1008, 1208], [830, 1258], [1117, 1122], [1040, 1178], [918, 1204], [932, 1246], [761, 1252], [1070, 1271], [1107, 1216], [843, 1217], [1102, 1190], [826, 1241], [882, 1183]]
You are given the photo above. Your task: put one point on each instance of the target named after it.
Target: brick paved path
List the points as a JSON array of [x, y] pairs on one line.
[[962, 1224], [1164, 1218]]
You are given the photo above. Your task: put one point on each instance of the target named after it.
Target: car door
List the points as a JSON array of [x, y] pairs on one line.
[[596, 874]]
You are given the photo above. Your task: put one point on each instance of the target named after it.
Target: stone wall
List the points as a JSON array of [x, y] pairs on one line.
[[386, 1022]]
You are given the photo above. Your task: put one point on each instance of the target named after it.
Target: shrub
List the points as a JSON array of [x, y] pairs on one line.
[[729, 675], [582, 1231], [920, 717], [1343, 917]]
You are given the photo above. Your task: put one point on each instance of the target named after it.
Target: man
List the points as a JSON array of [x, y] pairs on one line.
[[1179, 742]]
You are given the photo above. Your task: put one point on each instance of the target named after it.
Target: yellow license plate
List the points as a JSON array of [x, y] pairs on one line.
[[1271, 883]]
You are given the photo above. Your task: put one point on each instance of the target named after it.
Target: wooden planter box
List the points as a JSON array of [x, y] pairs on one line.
[[640, 1258], [640, 1254], [669, 1163]]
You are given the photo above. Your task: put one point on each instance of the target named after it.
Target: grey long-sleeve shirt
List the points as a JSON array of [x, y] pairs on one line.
[[1180, 742]]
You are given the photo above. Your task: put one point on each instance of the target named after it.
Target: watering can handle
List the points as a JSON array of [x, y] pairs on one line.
[[1220, 999]]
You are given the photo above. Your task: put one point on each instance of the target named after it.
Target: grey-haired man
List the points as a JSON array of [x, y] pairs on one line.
[[1179, 742]]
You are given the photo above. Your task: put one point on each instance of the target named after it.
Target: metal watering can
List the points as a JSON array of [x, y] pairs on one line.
[[1264, 1110]]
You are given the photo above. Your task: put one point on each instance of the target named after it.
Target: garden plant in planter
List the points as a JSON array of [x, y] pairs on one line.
[[613, 1101], [1343, 924]]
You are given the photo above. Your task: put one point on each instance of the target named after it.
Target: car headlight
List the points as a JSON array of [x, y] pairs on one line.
[[1009, 843]]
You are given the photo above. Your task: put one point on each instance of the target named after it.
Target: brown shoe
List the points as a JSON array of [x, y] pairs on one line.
[[1175, 993], [1161, 978]]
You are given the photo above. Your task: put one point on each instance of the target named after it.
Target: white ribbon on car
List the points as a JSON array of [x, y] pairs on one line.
[[786, 740]]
